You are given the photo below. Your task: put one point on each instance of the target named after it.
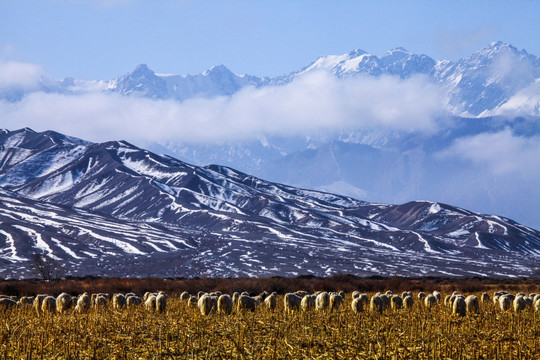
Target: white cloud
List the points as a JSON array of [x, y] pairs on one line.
[[501, 153], [525, 102], [311, 104], [17, 75]]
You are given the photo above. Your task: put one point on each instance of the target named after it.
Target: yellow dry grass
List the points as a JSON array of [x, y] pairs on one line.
[[183, 332]]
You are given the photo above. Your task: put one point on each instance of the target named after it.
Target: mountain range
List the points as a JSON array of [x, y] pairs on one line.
[[479, 85], [494, 91], [118, 210]]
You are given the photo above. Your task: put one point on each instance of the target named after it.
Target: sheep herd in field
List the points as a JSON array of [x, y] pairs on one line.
[[299, 301]]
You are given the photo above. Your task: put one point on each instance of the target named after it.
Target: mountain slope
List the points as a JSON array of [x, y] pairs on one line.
[[217, 221]]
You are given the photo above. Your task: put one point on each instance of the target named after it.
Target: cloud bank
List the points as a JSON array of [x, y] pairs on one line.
[[314, 103], [501, 153], [19, 76]]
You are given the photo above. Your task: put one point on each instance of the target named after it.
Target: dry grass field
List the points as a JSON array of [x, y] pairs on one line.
[[182, 332]]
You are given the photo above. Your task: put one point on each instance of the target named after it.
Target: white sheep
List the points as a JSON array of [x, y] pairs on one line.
[[26, 301], [193, 302], [405, 294], [472, 304], [386, 301], [335, 301], [150, 303], [83, 303], [447, 300], [271, 301], [235, 297], [355, 294], [224, 304], [291, 302], [537, 305], [308, 302], [505, 302], [48, 305], [437, 295], [322, 302], [132, 301], [376, 304], [161, 302], [485, 298], [147, 295], [452, 298], [408, 302], [262, 296], [246, 302], [364, 297], [396, 302], [7, 304], [357, 305], [185, 296], [101, 302], [63, 303], [37, 303], [519, 303], [207, 304], [119, 301], [459, 307], [430, 301]]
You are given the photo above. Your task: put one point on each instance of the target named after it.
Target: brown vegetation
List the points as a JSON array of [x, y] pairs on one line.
[[280, 285]]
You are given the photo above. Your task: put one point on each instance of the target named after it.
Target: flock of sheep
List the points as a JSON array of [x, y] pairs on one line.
[[208, 303]]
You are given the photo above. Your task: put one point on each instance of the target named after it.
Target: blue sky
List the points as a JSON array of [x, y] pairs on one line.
[[102, 39]]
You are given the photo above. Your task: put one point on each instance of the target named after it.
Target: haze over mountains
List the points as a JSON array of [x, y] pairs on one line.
[[118, 210]]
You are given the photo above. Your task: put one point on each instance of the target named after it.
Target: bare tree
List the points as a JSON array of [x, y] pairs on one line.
[[46, 267]]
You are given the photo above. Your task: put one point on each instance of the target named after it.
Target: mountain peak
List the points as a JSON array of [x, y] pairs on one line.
[[497, 47], [142, 69], [217, 69], [497, 44], [356, 53]]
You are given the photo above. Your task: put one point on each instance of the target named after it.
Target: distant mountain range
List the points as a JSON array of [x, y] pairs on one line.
[[495, 89], [118, 210], [479, 85]]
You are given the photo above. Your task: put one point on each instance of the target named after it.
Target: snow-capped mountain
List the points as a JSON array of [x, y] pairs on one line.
[[114, 209], [217, 81], [476, 85]]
